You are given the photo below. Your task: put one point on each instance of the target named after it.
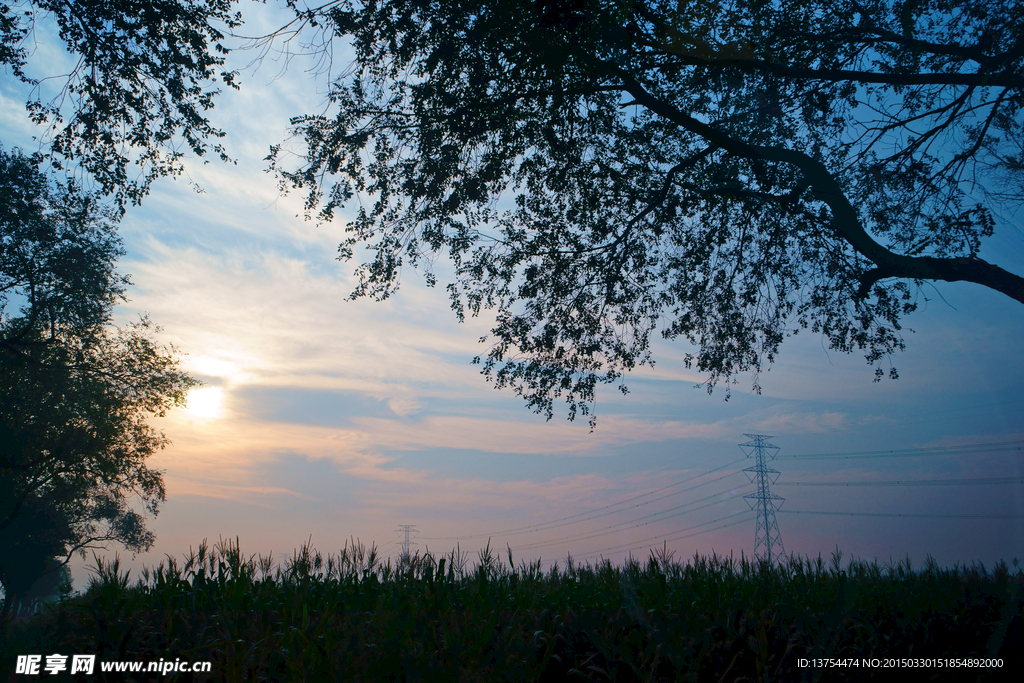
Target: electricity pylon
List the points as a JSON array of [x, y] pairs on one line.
[[408, 529], [767, 538]]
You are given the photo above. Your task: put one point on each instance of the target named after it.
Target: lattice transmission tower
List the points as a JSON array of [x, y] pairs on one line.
[[767, 538], [409, 530]]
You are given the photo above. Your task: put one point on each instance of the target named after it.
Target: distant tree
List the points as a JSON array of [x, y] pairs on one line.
[[75, 391], [728, 173], [144, 75]]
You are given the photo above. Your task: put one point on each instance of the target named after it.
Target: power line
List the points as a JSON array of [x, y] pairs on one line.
[[970, 449], [676, 511], [632, 545], [623, 505], [913, 482], [661, 515], [648, 502], [590, 514], [921, 515]]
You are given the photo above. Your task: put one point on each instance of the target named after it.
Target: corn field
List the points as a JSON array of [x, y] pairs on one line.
[[356, 617]]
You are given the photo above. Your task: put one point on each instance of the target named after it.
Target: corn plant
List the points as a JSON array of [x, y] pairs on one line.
[[356, 616]]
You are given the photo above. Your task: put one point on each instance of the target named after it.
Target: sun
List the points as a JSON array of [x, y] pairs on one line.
[[206, 403]]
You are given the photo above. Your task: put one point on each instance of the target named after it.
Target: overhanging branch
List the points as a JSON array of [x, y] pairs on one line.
[[950, 270], [824, 187]]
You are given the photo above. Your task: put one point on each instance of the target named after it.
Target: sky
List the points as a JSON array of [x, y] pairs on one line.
[[329, 420]]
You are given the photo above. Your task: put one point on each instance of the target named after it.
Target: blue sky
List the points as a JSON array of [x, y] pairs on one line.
[[334, 419]]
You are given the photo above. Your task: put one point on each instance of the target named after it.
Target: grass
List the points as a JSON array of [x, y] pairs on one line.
[[354, 617]]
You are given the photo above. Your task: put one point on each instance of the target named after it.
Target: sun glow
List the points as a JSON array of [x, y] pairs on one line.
[[206, 403], [219, 366]]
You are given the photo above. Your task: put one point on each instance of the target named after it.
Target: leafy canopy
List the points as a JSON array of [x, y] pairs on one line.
[[75, 392], [728, 173], [144, 75]]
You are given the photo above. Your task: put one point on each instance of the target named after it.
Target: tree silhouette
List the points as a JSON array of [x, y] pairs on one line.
[[75, 392], [145, 73], [725, 173]]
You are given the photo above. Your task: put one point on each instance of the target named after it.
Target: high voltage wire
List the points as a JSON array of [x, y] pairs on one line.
[[676, 511], [912, 515], [698, 533], [647, 502], [911, 482], [647, 541], [653, 514], [601, 553], [618, 507], [921, 515], [1014, 445], [588, 515], [970, 449], [543, 526]]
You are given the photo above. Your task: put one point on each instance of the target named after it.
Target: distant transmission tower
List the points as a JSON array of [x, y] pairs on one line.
[[767, 539], [407, 543]]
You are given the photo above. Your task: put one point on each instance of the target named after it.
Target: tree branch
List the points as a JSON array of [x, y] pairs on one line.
[[982, 80], [950, 270], [704, 53], [825, 188]]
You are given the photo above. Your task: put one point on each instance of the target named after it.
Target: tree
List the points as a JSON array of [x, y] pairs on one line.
[[728, 173], [75, 392], [145, 76]]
